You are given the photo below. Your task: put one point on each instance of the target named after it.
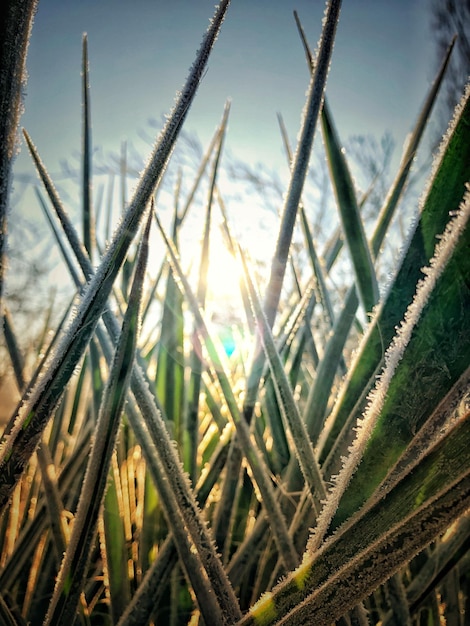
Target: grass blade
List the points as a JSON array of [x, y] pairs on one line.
[[196, 364], [87, 207], [16, 21], [317, 402], [318, 271], [11, 423], [31, 533], [196, 550], [353, 228], [289, 410], [317, 266], [65, 255], [376, 543], [55, 507], [115, 549], [389, 423], [182, 512], [170, 359], [13, 349], [435, 427], [445, 191], [70, 232], [23, 439], [366, 280], [448, 551], [260, 473], [69, 584], [299, 171]]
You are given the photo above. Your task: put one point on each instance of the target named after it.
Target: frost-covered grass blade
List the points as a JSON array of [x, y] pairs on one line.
[[69, 585], [23, 439], [217, 470]]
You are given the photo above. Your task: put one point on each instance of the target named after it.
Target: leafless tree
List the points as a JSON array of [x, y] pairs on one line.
[[449, 18]]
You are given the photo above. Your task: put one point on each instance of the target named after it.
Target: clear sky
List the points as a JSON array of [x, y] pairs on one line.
[[140, 53]]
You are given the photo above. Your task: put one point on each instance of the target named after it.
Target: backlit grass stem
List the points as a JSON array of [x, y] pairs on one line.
[[298, 173], [258, 468], [70, 580], [23, 439]]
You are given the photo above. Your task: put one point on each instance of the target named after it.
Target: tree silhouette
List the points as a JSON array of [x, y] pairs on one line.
[[449, 18]]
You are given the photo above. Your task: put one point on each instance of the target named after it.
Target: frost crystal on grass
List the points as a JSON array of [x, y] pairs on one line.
[[393, 356]]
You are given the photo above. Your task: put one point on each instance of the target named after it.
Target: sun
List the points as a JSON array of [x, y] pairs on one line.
[[224, 301], [224, 275]]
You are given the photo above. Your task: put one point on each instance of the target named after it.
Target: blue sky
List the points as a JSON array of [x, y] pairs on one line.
[[140, 52]]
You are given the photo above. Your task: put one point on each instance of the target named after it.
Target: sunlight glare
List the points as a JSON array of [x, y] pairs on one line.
[[224, 298]]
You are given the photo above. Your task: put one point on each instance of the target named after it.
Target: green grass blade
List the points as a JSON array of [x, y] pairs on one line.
[[169, 378], [300, 320], [320, 393], [373, 546], [300, 161], [183, 511], [96, 380], [70, 580], [214, 406], [170, 359], [435, 427], [318, 271], [65, 255], [322, 290], [366, 280], [298, 173], [289, 410], [227, 501], [317, 266], [427, 522], [14, 351], [353, 228], [23, 439], [196, 364], [115, 547], [280, 452], [428, 355], [445, 191], [259, 470], [87, 207]]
